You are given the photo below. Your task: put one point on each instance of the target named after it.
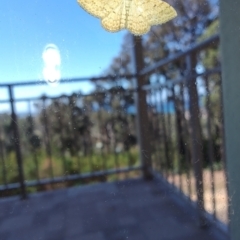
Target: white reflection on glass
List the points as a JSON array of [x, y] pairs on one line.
[[52, 61]]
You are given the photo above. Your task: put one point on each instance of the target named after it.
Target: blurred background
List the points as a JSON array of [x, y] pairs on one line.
[[82, 125]]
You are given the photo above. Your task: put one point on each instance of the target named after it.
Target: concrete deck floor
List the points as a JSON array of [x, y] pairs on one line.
[[128, 210]]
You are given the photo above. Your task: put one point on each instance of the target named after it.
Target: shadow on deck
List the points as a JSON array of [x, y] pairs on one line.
[[133, 210]]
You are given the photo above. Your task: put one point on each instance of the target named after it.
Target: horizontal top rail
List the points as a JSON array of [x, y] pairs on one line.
[[210, 41], [182, 79], [78, 94]]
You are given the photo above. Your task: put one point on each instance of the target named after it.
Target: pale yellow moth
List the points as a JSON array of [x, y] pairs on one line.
[[135, 15]]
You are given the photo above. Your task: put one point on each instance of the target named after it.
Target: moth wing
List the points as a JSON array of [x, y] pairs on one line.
[[97, 8], [158, 12], [137, 21], [116, 19]]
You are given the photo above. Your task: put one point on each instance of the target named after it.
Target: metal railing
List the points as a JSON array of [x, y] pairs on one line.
[[68, 139], [175, 125], [187, 127]]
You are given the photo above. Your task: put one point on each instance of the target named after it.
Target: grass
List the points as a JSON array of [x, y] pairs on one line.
[[40, 165]]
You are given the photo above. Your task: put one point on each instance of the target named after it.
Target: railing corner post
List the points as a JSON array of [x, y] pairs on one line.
[[141, 109], [196, 135]]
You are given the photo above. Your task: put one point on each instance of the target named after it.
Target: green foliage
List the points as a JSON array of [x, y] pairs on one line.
[[70, 165], [211, 30], [210, 58]]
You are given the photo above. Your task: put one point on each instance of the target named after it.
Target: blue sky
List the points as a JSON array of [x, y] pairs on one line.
[[26, 27]]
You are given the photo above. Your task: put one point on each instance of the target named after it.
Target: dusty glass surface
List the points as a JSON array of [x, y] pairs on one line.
[[111, 135]]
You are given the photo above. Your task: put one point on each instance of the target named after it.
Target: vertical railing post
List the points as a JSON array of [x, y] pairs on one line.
[[17, 145], [196, 134], [47, 139], [141, 107]]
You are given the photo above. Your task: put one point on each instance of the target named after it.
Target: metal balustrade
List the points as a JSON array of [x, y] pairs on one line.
[[171, 127]]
